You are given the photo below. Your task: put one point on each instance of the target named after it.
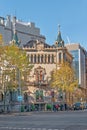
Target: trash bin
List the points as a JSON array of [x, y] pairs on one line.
[[49, 107], [22, 108]]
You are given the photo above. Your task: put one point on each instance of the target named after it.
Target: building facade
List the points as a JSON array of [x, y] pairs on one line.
[[25, 31], [79, 62], [45, 59], [43, 56]]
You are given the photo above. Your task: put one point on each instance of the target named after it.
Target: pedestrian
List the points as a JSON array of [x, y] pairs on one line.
[[61, 107], [57, 107], [65, 106]]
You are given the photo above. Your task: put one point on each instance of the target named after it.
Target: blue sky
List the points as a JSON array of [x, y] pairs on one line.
[[47, 14]]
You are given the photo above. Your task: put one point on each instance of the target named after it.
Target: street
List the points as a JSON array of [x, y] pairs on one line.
[[62, 120]]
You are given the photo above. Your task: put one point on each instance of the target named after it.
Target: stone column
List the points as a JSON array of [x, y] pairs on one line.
[[44, 58]]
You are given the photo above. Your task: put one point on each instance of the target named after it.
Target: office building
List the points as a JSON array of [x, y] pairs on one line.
[[25, 31], [79, 62]]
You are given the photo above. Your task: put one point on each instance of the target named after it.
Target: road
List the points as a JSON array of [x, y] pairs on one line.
[[69, 120]]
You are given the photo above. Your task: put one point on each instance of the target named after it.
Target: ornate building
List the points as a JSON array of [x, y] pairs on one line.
[[45, 59]]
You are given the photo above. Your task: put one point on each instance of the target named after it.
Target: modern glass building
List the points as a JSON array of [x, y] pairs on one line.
[[79, 62], [75, 62]]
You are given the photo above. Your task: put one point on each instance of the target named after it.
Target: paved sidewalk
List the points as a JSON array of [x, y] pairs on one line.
[[36, 112]]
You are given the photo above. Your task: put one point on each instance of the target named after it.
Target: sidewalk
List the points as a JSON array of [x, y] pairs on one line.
[[25, 113], [36, 112]]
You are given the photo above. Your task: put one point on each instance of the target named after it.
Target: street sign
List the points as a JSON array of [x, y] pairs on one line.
[[20, 98]]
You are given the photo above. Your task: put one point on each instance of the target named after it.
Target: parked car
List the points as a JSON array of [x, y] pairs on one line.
[[85, 105], [78, 106]]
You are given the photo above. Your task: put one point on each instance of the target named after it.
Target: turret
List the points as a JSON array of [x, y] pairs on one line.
[[59, 42], [15, 38]]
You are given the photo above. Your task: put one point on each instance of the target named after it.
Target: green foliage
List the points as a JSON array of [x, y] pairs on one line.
[[64, 78], [13, 61], [16, 57]]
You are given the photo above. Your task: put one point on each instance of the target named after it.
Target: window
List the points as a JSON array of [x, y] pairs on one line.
[[48, 58], [34, 58], [41, 58], [64, 56], [59, 57], [31, 58], [38, 58], [52, 58], [45, 58], [39, 74]]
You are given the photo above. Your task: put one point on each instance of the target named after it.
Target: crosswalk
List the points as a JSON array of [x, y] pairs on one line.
[[19, 128]]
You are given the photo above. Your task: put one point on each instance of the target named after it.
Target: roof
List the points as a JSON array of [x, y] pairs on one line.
[[59, 42], [33, 43]]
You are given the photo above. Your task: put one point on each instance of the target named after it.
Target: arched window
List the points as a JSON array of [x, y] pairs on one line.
[[48, 58], [64, 56], [52, 58], [34, 58], [31, 58], [41, 58], [59, 57], [38, 58], [45, 58], [39, 74]]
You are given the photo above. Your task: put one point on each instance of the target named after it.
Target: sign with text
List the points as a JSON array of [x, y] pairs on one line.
[[20, 98]]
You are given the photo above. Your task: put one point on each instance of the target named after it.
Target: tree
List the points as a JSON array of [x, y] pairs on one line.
[[15, 64], [64, 79]]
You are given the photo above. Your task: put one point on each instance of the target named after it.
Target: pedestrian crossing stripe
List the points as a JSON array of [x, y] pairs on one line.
[[18, 128]]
